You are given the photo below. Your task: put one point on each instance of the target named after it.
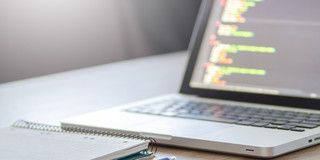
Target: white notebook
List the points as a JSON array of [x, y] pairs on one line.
[[33, 141]]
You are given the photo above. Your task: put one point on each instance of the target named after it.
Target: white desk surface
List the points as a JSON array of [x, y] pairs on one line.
[[48, 99]]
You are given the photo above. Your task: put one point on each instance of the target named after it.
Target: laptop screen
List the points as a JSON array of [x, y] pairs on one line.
[[268, 47]]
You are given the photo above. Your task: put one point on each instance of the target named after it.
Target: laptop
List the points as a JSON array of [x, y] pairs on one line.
[[251, 86]]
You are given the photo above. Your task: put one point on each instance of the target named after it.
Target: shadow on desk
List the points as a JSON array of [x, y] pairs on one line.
[[311, 153]]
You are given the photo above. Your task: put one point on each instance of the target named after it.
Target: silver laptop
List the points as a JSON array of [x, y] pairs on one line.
[[251, 86]]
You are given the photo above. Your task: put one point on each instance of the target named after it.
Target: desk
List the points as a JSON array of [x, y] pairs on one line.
[[48, 99]]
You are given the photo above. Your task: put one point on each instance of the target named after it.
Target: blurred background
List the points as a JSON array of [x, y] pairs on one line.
[[39, 37]]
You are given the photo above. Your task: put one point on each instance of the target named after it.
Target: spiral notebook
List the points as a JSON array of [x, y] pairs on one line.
[[27, 140]]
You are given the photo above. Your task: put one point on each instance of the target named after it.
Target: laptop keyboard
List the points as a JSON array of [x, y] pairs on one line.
[[256, 117]]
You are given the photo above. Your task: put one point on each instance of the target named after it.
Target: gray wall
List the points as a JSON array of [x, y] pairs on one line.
[[39, 37]]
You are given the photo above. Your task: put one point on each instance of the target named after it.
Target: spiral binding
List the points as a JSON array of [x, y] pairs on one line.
[[78, 130]]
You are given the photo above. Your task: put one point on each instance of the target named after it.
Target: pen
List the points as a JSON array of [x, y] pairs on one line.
[[168, 158]]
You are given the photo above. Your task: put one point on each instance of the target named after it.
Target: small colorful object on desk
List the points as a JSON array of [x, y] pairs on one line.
[[168, 158]]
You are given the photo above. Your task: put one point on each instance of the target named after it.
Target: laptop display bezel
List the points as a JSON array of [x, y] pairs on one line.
[[194, 47]]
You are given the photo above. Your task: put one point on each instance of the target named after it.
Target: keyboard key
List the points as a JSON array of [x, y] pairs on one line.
[[301, 118], [313, 119], [265, 111], [279, 122], [269, 118], [315, 116], [297, 129], [230, 117], [288, 116], [282, 119], [267, 121], [312, 122], [256, 116], [254, 120], [270, 126], [245, 122], [303, 125], [303, 114], [244, 115], [295, 120], [259, 124], [276, 115], [241, 118], [286, 127]]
